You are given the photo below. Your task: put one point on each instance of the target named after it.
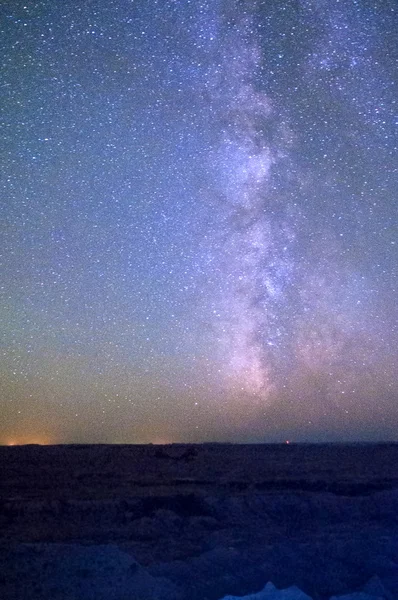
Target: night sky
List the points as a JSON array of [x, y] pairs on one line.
[[200, 230]]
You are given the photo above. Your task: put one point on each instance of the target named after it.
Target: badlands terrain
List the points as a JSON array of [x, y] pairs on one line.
[[198, 522]]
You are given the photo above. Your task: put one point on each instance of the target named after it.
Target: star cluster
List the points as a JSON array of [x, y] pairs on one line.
[[200, 225]]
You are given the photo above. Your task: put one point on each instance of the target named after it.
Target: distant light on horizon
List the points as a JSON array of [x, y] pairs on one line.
[[28, 440]]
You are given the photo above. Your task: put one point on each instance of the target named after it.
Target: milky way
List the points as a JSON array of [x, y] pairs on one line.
[[201, 221]]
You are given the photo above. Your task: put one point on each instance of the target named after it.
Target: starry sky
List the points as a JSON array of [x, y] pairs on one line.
[[200, 202]]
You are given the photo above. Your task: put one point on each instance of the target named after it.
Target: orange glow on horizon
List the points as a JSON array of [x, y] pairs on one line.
[[26, 440], [159, 441]]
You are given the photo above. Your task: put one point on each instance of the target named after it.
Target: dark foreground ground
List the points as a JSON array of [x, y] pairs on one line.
[[196, 522]]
